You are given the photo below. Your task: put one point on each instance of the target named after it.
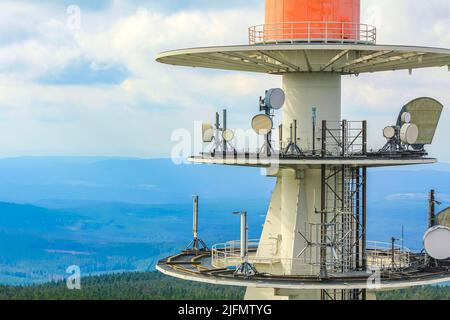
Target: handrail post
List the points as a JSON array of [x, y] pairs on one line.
[[326, 32], [309, 32], [367, 32], [292, 32]]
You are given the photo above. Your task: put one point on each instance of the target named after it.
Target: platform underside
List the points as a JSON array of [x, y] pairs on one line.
[[301, 57], [197, 267], [309, 162]]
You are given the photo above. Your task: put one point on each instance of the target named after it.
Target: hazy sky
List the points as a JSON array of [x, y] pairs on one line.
[[94, 89]]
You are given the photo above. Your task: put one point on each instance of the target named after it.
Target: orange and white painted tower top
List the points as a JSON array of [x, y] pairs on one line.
[[312, 20], [311, 36], [286, 11]]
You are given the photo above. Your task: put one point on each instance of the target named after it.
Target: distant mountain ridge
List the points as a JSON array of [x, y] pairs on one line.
[[30, 180], [147, 181], [115, 214]]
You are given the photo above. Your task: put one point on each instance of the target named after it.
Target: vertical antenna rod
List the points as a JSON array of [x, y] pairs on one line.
[[245, 268], [217, 134], [431, 209], [280, 136], [196, 244], [244, 236], [195, 219], [224, 129], [314, 122]]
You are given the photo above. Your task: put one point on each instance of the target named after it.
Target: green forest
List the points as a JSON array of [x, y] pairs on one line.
[[155, 286]]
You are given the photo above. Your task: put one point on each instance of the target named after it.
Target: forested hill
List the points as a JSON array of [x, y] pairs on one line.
[[125, 286], [154, 286]]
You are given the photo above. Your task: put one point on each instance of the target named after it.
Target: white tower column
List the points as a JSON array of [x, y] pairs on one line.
[[307, 90], [296, 198]]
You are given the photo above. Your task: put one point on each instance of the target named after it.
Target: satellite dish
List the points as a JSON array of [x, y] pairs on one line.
[[262, 124], [275, 99], [409, 133], [228, 135], [425, 114], [436, 242], [207, 132], [389, 132], [443, 218], [406, 117]]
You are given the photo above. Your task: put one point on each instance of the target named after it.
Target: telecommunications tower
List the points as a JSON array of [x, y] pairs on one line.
[[314, 242]]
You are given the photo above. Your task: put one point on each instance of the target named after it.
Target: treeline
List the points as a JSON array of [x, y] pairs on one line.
[[155, 286], [125, 286], [417, 293]]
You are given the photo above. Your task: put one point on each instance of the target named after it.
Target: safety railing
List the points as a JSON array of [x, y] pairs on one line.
[[227, 255], [311, 32], [384, 256], [344, 138], [379, 255]]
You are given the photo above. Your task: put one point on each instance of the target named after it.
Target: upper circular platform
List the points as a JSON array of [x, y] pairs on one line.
[[312, 163], [341, 58]]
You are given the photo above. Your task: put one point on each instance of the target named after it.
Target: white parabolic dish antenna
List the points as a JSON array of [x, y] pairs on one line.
[[443, 218], [409, 133], [262, 124], [207, 132], [406, 117], [228, 135], [389, 132], [275, 98], [437, 242], [425, 114]]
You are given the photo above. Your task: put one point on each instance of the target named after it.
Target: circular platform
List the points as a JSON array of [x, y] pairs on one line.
[[197, 267], [309, 162], [292, 58]]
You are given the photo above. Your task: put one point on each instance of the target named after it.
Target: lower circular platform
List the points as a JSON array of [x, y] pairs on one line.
[[197, 267], [309, 162]]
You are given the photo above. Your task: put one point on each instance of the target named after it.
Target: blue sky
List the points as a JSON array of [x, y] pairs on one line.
[[95, 89]]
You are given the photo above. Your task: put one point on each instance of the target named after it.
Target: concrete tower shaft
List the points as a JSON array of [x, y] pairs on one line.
[[295, 201], [305, 91]]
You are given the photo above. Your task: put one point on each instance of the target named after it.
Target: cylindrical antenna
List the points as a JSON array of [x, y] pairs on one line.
[[244, 235], [295, 132], [195, 220], [224, 120], [280, 129], [217, 134], [292, 134], [217, 121], [245, 268], [314, 122], [403, 237], [393, 253]]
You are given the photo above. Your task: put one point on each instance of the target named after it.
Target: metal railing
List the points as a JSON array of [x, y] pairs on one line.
[[379, 255], [311, 32], [227, 255], [382, 256], [344, 138]]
